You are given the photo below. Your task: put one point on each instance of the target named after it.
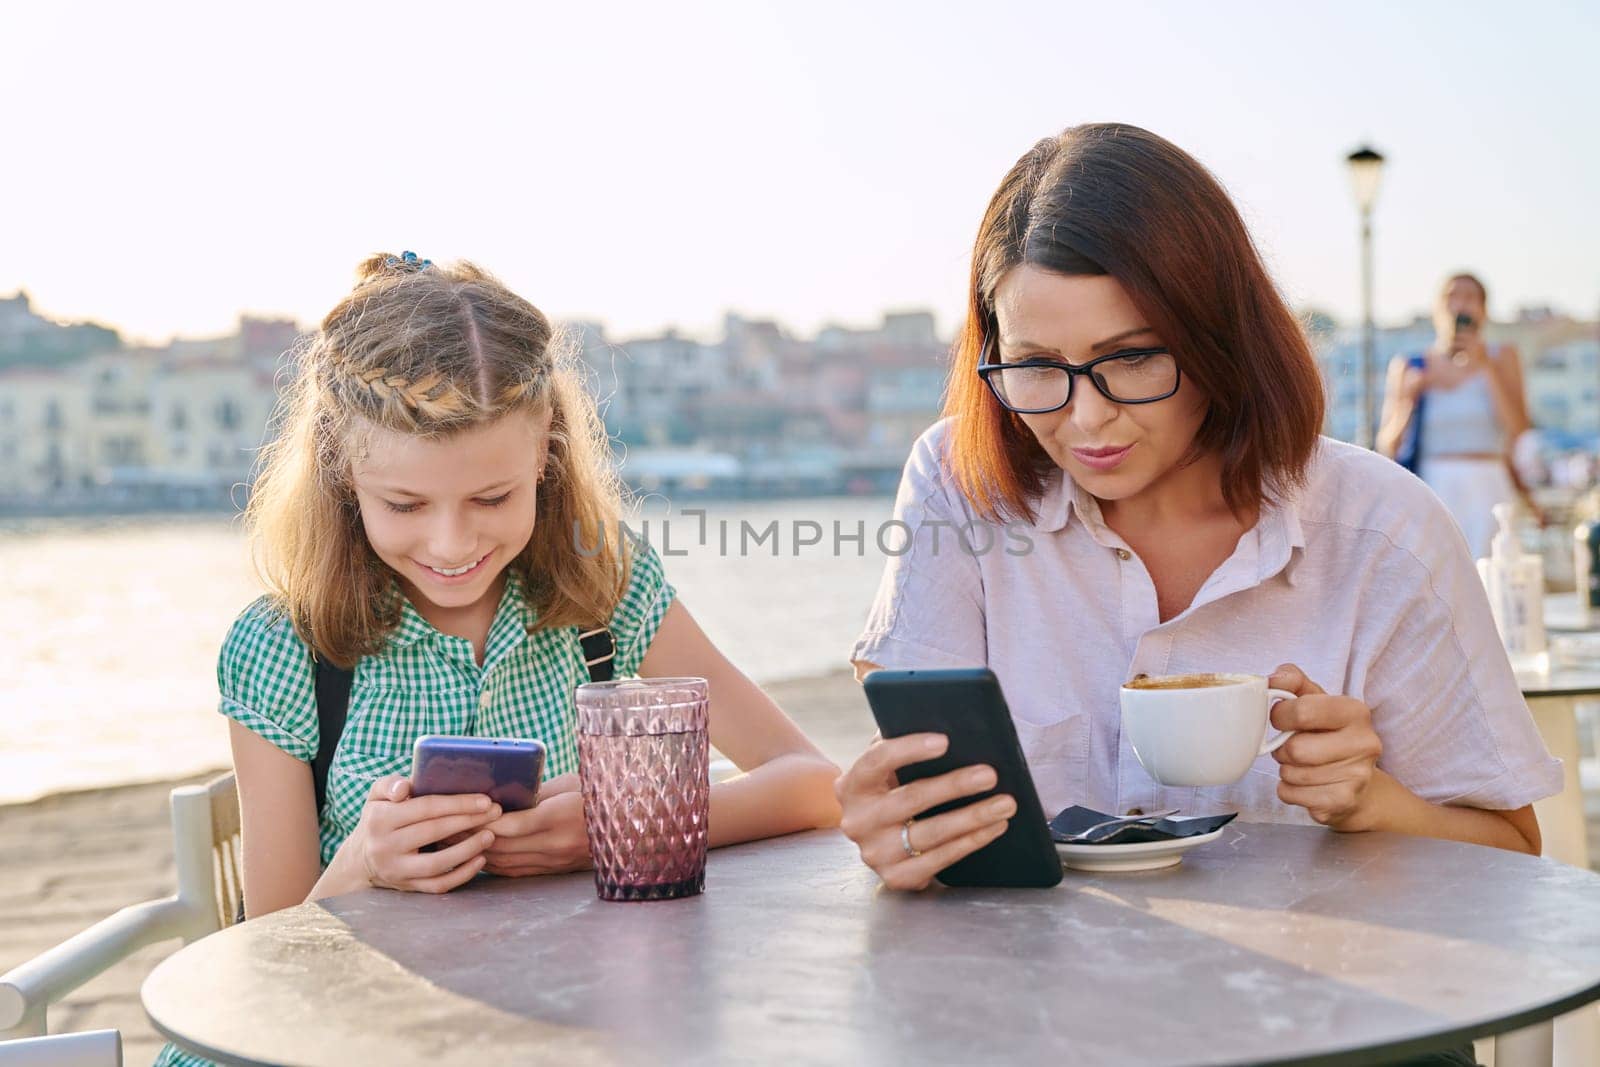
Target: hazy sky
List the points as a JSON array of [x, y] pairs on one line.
[[169, 165]]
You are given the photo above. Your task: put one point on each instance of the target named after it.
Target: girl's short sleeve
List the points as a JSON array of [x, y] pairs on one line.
[[644, 604], [264, 673]]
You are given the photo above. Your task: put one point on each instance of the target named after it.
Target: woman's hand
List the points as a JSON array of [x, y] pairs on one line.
[[1330, 766], [876, 808], [549, 838], [395, 826]]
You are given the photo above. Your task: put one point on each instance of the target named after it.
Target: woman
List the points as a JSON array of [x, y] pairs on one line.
[[1132, 390], [1459, 438]]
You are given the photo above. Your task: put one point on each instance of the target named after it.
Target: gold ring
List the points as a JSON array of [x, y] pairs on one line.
[[905, 840]]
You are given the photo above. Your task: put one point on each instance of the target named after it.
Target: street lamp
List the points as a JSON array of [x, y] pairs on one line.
[[1366, 169]]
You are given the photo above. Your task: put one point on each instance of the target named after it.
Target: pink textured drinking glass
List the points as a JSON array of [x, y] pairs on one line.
[[644, 761]]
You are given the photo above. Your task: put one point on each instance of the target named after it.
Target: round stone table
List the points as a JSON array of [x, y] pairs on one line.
[[1274, 944]]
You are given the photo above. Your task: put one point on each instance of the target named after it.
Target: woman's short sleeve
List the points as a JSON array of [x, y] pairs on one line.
[[929, 611], [644, 604], [1445, 701], [264, 674]]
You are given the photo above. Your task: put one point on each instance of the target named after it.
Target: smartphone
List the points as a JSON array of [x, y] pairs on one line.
[[1464, 322], [505, 768], [966, 705]]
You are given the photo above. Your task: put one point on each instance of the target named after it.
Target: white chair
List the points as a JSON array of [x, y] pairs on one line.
[[205, 838], [92, 1048]]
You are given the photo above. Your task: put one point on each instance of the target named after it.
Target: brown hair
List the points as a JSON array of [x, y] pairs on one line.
[[430, 350], [1111, 199]]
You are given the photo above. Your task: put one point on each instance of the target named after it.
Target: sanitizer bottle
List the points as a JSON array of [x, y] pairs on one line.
[[1514, 580]]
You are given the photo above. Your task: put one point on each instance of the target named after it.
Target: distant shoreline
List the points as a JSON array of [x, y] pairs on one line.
[[76, 794], [54, 508], [23, 524]]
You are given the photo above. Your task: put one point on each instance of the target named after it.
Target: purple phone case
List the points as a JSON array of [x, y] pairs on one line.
[[505, 768]]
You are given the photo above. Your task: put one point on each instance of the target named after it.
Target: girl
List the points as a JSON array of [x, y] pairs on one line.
[[419, 519], [1463, 406], [1132, 389]]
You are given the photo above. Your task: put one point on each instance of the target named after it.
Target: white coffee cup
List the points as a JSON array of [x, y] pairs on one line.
[[1200, 729]]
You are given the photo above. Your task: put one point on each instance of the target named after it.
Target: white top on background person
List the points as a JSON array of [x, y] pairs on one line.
[[1475, 413], [1130, 384]]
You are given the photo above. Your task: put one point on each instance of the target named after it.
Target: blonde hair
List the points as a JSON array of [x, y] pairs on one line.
[[429, 350]]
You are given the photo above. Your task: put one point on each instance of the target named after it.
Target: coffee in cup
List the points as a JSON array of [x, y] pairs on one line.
[[1183, 681], [1200, 729]]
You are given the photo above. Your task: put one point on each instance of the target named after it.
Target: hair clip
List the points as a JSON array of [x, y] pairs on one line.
[[408, 259]]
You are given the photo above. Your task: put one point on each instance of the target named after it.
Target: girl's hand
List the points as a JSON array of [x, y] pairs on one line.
[[395, 826], [876, 808], [1330, 766], [549, 838]]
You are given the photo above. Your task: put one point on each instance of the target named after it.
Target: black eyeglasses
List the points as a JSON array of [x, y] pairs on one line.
[[1040, 386]]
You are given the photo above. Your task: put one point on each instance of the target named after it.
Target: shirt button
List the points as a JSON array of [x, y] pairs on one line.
[[1135, 811], [483, 701], [1124, 554]]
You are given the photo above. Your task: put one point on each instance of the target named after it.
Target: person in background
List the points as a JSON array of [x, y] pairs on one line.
[[1453, 414]]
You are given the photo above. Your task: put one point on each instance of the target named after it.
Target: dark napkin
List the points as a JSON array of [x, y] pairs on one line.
[[1077, 819]]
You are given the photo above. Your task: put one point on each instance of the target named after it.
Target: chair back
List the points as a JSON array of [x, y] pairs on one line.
[[227, 848], [206, 841], [205, 847]]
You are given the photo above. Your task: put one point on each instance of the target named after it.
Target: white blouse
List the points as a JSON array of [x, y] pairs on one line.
[[1362, 580]]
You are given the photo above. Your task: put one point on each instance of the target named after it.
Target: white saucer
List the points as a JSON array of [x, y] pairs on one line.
[[1141, 856]]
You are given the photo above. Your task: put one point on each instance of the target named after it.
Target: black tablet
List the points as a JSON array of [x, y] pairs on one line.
[[967, 706]]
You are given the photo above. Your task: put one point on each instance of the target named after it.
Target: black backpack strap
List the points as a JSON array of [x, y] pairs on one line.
[[333, 700], [599, 653]]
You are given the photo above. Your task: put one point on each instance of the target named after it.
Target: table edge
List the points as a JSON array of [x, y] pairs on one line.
[[1358, 1056], [1559, 692], [194, 1048]]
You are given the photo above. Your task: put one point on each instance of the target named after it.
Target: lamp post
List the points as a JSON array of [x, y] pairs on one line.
[[1366, 169]]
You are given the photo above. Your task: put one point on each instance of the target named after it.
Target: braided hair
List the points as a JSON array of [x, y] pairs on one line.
[[406, 348]]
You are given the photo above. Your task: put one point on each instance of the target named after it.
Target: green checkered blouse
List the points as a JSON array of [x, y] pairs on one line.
[[426, 682]]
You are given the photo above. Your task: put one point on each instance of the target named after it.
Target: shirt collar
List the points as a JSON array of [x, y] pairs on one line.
[[1055, 504], [413, 627], [1062, 497], [511, 619], [1281, 536]]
